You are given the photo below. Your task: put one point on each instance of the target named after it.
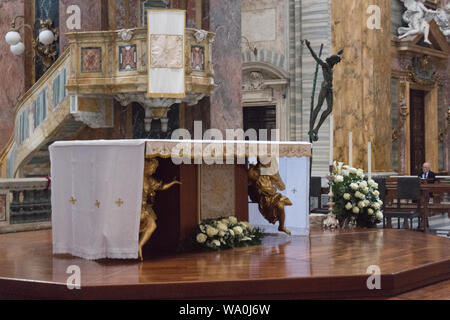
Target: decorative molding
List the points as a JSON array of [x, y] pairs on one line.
[[23, 184], [444, 131], [91, 59], [254, 81], [200, 35], [126, 34], [128, 58], [403, 115], [422, 71]]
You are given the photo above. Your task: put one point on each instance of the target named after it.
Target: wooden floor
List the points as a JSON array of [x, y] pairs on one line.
[[324, 265]]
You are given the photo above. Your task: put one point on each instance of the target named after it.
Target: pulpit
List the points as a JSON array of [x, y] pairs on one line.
[[97, 191]]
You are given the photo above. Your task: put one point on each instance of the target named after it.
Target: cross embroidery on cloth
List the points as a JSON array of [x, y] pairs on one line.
[[119, 202]]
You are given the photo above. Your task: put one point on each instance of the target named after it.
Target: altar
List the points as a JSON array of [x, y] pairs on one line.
[[98, 190]]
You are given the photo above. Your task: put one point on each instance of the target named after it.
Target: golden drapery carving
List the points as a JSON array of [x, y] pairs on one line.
[[148, 215], [263, 190]]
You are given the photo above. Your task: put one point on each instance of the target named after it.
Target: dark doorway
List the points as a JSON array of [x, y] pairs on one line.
[[260, 118], [417, 118]]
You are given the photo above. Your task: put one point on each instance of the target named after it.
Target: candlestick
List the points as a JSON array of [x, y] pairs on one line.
[[350, 149], [369, 159], [331, 140]]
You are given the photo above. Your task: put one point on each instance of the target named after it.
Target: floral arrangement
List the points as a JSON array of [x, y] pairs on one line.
[[226, 233], [355, 200]]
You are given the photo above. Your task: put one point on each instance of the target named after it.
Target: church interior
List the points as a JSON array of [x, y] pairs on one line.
[[225, 150]]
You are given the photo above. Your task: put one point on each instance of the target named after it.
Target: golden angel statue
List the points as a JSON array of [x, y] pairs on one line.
[[148, 216], [263, 190]]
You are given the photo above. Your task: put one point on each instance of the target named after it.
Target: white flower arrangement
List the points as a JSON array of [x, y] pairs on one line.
[[226, 233], [354, 198]]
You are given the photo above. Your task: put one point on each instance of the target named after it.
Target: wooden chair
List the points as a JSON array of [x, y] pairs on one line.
[[315, 186], [407, 204]]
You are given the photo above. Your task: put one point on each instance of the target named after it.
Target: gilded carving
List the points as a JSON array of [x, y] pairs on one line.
[[148, 215], [263, 190]]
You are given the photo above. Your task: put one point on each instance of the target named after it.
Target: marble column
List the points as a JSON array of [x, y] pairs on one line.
[[226, 102], [12, 69], [362, 83], [223, 110]]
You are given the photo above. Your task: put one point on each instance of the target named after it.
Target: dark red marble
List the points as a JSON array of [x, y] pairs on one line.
[[91, 18], [226, 101], [190, 14], [127, 14]]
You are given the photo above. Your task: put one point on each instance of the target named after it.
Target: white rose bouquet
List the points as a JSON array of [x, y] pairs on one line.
[[354, 199], [226, 233]]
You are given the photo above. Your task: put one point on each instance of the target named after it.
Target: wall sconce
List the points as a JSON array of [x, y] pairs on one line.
[[43, 45]]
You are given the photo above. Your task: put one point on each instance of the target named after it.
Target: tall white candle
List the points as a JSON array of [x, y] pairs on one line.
[[369, 159], [350, 149], [331, 140]]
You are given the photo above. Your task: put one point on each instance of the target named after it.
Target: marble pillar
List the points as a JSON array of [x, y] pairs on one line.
[[362, 102], [226, 102], [223, 110], [11, 68]]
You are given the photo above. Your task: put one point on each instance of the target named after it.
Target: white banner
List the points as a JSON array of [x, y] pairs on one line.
[[166, 57]]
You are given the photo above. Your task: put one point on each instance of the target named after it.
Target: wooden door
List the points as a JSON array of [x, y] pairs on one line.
[[417, 117]]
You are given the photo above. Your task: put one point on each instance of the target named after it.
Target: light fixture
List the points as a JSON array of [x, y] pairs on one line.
[[43, 45], [13, 37], [18, 49]]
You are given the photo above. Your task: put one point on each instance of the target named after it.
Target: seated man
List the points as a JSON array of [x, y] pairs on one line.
[[427, 173]]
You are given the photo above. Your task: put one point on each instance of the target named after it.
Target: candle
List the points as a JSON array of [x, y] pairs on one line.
[[369, 159], [331, 140], [350, 149]]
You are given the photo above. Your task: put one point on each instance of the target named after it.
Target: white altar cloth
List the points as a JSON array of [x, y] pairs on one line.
[[94, 216]]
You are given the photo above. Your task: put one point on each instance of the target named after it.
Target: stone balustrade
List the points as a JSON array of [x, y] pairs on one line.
[[25, 204]]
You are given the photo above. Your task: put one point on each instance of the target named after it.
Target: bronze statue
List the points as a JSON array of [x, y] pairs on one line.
[[263, 190], [148, 216], [326, 92]]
